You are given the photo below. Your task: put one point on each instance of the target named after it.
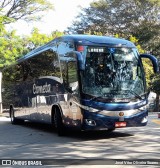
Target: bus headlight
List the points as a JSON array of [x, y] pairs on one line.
[[90, 122], [144, 120]]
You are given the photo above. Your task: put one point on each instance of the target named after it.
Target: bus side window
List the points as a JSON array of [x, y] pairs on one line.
[[72, 75], [69, 73], [65, 47], [64, 72], [44, 64]]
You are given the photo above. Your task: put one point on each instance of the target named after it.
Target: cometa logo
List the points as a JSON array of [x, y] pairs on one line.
[[41, 89]]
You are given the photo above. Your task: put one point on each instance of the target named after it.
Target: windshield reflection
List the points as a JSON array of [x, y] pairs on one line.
[[112, 73]]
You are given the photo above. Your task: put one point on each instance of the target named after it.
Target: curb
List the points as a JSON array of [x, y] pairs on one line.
[[153, 112], [4, 115]]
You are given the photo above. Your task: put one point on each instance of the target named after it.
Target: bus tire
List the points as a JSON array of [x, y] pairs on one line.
[[58, 123], [13, 119]]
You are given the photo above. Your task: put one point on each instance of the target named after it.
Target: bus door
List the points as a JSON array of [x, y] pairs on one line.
[[72, 114]]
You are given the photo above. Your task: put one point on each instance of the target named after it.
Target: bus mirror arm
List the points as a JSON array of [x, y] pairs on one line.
[[148, 92], [69, 89], [154, 61]]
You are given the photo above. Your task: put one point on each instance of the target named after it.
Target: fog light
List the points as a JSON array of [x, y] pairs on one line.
[[90, 122]]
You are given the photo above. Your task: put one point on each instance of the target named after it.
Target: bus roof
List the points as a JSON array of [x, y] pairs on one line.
[[105, 40], [82, 40]]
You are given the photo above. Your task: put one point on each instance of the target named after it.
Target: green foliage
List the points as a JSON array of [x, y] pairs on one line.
[[149, 36], [38, 39], [148, 68], [2, 20], [27, 9], [56, 34], [139, 18], [155, 84], [136, 42], [13, 46], [1, 24], [120, 16]]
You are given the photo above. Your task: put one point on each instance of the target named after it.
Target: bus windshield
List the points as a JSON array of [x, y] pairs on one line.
[[113, 74]]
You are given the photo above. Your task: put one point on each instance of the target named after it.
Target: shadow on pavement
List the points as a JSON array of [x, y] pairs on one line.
[[81, 135]]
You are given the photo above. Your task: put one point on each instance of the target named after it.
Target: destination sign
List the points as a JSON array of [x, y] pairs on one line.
[[96, 49]]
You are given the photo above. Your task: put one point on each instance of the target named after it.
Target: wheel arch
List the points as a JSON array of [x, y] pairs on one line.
[[55, 106]]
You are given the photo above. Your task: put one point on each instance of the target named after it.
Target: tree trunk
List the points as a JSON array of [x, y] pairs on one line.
[[157, 103], [0, 92]]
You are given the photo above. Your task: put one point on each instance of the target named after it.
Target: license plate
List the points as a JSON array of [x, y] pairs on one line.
[[120, 124]]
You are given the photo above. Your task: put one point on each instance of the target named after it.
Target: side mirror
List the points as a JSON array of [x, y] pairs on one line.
[[154, 61]]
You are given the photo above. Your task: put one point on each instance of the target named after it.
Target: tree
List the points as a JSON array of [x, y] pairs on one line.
[[11, 48], [56, 34], [1, 25], [139, 18], [24, 9], [120, 16], [38, 39], [148, 35], [155, 88], [2, 20]]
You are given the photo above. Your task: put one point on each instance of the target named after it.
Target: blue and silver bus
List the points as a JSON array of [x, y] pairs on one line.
[[82, 82]]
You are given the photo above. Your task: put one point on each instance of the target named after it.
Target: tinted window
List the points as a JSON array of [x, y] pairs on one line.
[[44, 64], [72, 72], [65, 47], [69, 72]]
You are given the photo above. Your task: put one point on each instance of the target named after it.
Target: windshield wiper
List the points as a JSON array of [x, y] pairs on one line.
[[95, 98], [135, 94]]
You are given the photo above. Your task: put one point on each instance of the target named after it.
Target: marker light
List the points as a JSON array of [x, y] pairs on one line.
[[80, 48]]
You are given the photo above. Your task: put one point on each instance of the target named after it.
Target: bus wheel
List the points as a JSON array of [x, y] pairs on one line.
[[13, 119], [58, 123]]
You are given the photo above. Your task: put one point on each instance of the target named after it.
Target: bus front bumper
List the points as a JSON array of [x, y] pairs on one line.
[[94, 121]]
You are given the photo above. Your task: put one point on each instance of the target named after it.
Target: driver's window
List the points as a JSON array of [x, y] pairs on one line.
[[72, 75], [139, 73]]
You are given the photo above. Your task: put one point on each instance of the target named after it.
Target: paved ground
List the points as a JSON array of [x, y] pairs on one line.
[[36, 141]]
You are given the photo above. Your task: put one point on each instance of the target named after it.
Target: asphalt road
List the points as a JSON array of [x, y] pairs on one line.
[[37, 141]]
